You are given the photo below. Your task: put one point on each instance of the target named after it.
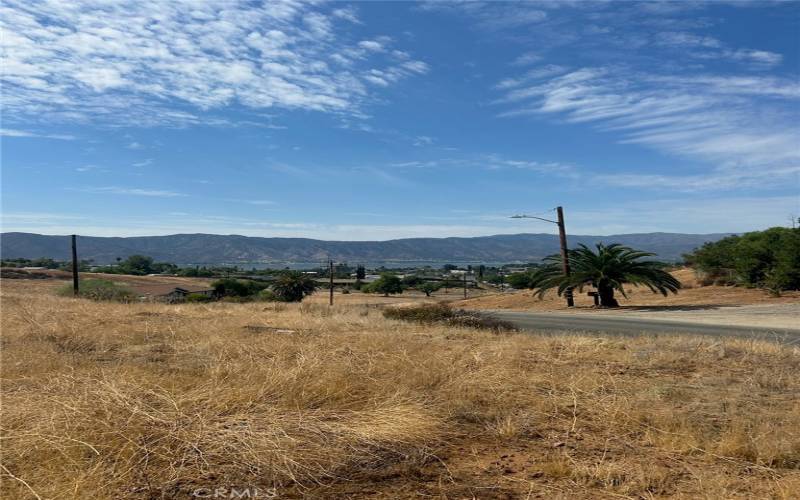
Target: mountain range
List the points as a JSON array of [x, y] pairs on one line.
[[232, 249]]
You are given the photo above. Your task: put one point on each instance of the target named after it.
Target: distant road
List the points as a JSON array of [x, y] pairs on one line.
[[548, 322]]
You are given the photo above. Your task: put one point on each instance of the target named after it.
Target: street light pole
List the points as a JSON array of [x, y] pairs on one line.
[[562, 240]]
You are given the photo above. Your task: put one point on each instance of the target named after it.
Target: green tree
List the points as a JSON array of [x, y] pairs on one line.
[[411, 280], [137, 264], [229, 287], [769, 259], [607, 269], [386, 284], [428, 287], [361, 273], [521, 280], [292, 286]]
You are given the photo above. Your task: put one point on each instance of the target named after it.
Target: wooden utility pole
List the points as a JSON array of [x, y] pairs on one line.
[[74, 266], [465, 284], [330, 301], [562, 237]]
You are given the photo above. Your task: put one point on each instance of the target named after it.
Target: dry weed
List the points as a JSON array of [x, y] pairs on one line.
[[104, 400]]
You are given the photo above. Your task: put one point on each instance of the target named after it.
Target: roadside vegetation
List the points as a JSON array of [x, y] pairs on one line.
[[763, 259], [150, 400], [443, 314]]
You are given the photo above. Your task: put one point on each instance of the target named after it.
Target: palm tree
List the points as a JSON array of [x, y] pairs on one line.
[[292, 286], [608, 269]]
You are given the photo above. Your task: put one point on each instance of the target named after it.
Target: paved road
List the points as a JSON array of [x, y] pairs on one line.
[[544, 322]]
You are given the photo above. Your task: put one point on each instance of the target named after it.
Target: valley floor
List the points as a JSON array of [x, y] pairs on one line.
[[147, 400]]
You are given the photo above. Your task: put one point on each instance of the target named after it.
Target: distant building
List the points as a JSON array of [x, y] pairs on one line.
[[173, 293]]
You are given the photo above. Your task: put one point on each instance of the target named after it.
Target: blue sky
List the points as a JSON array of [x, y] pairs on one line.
[[375, 120]]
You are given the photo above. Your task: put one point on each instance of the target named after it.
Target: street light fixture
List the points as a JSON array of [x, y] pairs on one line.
[[562, 237]]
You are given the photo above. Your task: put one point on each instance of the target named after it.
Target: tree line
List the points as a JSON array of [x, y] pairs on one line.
[[767, 259]]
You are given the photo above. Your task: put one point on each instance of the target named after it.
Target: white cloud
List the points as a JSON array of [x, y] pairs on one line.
[[527, 59], [683, 40], [143, 163], [761, 57], [259, 202], [715, 49], [6, 132], [494, 16], [348, 13], [743, 126], [169, 63], [371, 45], [160, 193], [91, 168]]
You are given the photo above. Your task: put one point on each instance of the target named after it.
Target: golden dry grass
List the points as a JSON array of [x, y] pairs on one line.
[[106, 400]]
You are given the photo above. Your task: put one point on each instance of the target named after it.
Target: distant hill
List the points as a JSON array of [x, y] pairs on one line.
[[216, 249]]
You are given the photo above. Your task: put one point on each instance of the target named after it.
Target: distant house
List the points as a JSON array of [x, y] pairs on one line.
[[180, 293], [172, 293]]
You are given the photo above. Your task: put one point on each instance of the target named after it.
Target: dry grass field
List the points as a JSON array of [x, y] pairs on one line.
[[144, 401]]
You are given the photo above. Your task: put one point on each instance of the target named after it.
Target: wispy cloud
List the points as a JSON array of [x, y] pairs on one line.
[[492, 161], [737, 124], [143, 163], [6, 132], [708, 47], [161, 193], [169, 63]]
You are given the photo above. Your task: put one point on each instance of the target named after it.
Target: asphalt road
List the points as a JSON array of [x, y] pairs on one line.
[[549, 322]]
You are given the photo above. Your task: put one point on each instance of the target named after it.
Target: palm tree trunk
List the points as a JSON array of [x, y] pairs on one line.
[[606, 294]]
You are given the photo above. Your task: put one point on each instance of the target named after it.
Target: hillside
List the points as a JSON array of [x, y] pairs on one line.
[[213, 248]]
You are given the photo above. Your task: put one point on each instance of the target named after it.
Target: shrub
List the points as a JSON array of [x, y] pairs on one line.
[[97, 289], [198, 297], [444, 314], [266, 296], [230, 287], [425, 313]]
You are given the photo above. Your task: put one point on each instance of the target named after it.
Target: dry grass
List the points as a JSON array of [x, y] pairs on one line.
[[105, 400]]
